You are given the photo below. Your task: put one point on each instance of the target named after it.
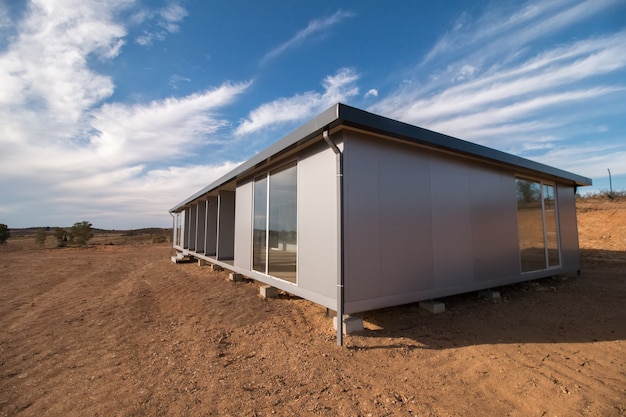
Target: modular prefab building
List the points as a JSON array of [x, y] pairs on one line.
[[356, 212]]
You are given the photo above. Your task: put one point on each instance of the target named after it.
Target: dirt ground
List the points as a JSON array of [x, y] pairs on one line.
[[117, 329]]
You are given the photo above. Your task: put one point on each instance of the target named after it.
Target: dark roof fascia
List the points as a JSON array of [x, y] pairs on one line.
[[341, 114]]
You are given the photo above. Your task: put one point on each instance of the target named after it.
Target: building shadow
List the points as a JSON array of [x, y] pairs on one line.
[[578, 309]]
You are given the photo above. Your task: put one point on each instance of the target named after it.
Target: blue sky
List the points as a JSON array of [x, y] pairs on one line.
[[115, 111]]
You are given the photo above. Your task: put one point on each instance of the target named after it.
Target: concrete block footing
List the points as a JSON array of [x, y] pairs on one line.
[[215, 267], [433, 307], [490, 295], [235, 277], [267, 291], [179, 257], [202, 262], [351, 324]]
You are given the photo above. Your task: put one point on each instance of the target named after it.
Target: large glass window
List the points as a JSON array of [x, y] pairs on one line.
[[283, 225], [276, 235], [552, 237], [537, 225], [259, 237], [179, 229]]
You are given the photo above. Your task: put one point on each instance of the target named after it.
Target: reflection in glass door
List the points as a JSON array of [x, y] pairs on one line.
[[275, 234], [537, 225], [283, 225], [552, 236], [259, 234]]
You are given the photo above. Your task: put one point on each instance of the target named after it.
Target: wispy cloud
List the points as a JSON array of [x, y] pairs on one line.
[[72, 151], [338, 87], [171, 16], [371, 93], [503, 28], [314, 27], [160, 129], [176, 79], [479, 82], [162, 22]]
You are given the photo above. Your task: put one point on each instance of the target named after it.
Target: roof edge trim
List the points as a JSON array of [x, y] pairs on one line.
[[342, 114]]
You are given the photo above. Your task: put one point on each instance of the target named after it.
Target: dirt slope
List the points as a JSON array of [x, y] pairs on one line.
[[119, 330]]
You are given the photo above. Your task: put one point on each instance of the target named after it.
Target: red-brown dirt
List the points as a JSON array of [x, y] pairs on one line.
[[120, 330]]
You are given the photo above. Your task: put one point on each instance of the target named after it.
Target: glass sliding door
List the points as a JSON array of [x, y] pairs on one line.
[[259, 236], [552, 236], [283, 224], [179, 228], [275, 234], [537, 225], [530, 225]]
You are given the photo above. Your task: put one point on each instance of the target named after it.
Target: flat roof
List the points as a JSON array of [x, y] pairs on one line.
[[344, 115]]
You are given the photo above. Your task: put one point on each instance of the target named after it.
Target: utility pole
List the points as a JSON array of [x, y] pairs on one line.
[[610, 183]]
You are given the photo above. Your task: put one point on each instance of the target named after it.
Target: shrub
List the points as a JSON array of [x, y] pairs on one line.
[[61, 237], [41, 236], [5, 234], [81, 233]]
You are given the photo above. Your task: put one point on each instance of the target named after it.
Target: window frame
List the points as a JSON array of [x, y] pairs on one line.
[[543, 184], [267, 176]]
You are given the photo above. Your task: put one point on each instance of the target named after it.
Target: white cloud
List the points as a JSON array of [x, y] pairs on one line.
[[131, 197], [164, 128], [314, 27], [108, 175], [590, 160], [337, 88], [466, 72], [499, 30], [147, 38], [176, 79], [371, 93], [68, 154], [160, 22], [560, 80], [43, 71], [480, 82], [142, 195], [171, 16]]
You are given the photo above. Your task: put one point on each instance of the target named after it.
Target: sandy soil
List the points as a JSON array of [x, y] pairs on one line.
[[119, 330]]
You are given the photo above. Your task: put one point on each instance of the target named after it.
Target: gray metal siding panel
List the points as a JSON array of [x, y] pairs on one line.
[[317, 222], [406, 249], [421, 224], [362, 263], [243, 226], [566, 204], [452, 227], [226, 225], [211, 227], [388, 227], [494, 224]]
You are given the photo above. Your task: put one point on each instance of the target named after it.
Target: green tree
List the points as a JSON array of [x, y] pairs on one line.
[[40, 237], [81, 233], [527, 191], [5, 234], [61, 237]]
